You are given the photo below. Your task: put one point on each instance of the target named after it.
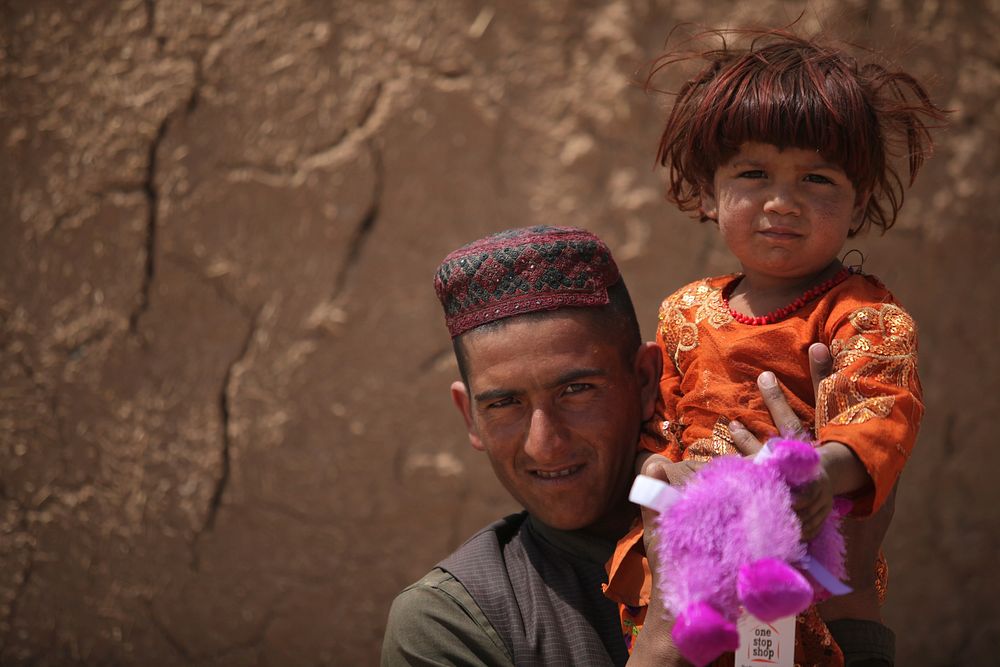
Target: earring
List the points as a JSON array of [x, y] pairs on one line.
[[859, 263]]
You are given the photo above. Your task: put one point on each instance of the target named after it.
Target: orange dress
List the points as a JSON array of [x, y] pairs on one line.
[[871, 403]]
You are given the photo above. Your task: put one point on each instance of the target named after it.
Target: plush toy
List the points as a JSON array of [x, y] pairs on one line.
[[730, 539]]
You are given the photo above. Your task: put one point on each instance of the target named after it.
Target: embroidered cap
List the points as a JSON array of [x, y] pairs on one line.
[[523, 271]]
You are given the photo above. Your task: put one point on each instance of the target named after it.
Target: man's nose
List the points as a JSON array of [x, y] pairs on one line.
[[546, 441]]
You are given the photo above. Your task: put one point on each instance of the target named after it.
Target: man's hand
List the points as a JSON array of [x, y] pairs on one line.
[[864, 540], [654, 646], [785, 420], [813, 502]]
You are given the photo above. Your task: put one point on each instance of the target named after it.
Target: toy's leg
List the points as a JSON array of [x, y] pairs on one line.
[[702, 634], [771, 589]]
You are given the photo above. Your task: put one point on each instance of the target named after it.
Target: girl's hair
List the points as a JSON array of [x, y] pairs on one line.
[[795, 92]]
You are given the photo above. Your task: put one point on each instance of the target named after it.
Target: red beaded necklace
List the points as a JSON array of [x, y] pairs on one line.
[[782, 313]]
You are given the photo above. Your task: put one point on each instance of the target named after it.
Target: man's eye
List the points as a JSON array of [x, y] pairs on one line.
[[577, 387], [501, 403]]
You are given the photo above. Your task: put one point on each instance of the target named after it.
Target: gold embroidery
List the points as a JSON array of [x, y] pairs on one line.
[[883, 351], [720, 444], [681, 334]]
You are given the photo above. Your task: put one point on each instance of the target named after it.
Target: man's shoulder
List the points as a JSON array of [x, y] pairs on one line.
[[437, 580], [443, 581], [436, 618], [435, 594], [484, 548]]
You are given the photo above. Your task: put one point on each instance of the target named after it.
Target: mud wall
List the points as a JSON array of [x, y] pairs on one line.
[[225, 435]]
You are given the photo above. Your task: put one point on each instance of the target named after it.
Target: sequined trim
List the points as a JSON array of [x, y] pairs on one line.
[[881, 577], [883, 351], [720, 444], [815, 646]]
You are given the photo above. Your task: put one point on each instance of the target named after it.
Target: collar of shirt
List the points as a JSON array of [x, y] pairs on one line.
[[575, 543]]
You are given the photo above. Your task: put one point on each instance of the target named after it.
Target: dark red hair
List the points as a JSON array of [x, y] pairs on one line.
[[790, 91]]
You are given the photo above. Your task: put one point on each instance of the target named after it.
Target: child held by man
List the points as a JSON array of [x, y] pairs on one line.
[[790, 147]]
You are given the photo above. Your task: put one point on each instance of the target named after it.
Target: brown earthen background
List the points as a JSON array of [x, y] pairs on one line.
[[225, 436]]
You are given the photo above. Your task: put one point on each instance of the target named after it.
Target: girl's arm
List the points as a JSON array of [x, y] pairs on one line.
[[841, 474], [872, 403]]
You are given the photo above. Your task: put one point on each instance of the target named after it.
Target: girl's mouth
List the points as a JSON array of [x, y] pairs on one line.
[[781, 233]]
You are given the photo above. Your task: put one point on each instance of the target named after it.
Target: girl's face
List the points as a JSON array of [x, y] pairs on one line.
[[784, 214]]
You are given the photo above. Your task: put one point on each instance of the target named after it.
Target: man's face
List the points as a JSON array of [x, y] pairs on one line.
[[557, 408]]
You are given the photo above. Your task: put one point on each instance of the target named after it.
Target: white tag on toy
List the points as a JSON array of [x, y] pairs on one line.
[[653, 493], [766, 643], [764, 453]]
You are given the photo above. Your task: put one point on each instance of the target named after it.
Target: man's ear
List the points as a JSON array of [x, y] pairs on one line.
[[648, 368], [460, 397]]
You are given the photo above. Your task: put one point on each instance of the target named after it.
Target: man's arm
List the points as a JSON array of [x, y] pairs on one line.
[[654, 645], [862, 537], [436, 622]]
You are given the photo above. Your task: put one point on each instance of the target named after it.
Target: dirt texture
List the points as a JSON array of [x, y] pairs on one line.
[[225, 431]]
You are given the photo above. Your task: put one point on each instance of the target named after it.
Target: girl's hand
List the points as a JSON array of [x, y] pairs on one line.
[[812, 503], [662, 468]]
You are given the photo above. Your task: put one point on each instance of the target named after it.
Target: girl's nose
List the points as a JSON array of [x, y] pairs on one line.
[[781, 201]]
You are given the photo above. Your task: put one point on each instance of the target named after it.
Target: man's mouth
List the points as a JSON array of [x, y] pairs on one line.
[[556, 474]]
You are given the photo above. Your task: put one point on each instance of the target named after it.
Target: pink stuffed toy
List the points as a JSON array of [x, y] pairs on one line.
[[730, 539]]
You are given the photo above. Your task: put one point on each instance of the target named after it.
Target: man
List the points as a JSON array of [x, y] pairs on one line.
[[556, 383]]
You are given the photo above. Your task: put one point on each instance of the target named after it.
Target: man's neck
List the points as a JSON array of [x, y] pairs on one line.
[[616, 523], [598, 539]]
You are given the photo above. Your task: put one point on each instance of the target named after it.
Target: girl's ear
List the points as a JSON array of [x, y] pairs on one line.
[[709, 208], [858, 214], [460, 397]]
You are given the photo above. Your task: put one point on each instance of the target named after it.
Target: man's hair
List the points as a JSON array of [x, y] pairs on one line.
[[616, 320], [794, 92]]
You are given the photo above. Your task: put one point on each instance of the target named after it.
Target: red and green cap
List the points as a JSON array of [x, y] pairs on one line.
[[521, 271]]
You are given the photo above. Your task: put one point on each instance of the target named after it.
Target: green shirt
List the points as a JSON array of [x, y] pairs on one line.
[[436, 622]]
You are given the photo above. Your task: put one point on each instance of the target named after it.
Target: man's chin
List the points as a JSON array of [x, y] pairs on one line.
[[561, 521]]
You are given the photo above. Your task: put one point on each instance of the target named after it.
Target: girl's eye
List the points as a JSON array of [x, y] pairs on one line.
[[752, 173], [817, 178]]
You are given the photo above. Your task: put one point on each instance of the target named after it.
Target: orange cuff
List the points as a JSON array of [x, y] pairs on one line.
[[629, 579]]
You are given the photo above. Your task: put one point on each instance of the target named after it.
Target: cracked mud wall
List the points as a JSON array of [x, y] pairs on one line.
[[225, 435]]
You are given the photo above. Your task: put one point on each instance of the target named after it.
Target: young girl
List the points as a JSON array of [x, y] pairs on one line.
[[787, 146]]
